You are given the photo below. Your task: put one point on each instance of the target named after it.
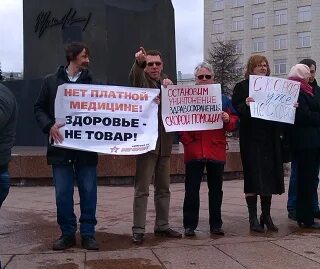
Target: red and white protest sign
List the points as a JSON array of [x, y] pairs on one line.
[[107, 119], [191, 107]]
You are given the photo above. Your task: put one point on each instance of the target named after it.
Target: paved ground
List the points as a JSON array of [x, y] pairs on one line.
[[27, 229]]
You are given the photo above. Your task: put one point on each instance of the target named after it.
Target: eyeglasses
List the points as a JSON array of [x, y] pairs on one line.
[[204, 76], [153, 63]]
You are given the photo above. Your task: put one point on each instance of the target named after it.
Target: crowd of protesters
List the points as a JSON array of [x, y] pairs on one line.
[[261, 149]]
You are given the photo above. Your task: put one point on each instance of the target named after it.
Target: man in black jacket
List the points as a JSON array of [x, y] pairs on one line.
[[68, 164], [8, 122]]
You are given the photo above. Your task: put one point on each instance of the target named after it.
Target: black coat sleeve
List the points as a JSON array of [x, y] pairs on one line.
[[6, 109], [308, 111], [240, 93], [42, 107]]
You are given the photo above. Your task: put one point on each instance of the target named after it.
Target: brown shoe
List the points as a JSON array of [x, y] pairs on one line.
[[168, 233]]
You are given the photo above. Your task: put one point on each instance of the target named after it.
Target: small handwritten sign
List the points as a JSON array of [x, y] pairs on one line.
[[274, 98], [45, 21]]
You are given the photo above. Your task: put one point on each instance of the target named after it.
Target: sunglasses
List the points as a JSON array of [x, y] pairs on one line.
[[204, 76], [153, 63]]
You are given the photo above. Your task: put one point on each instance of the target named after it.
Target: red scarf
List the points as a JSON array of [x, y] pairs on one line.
[[304, 85]]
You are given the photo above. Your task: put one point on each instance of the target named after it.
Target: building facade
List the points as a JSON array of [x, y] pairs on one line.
[[285, 31]]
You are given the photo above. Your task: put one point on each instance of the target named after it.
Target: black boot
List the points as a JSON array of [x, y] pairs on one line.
[[265, 218], [253, 220]]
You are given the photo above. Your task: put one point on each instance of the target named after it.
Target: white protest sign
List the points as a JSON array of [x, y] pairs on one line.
[[273, 98], [107, 119], [191, 107]]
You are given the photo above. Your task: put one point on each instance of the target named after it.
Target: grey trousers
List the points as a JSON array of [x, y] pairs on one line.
[[150, 164]]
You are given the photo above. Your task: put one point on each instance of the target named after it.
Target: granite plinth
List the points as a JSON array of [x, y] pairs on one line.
[[29, 166]]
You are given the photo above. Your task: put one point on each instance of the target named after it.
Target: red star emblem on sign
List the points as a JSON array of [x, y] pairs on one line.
[[114, 149]]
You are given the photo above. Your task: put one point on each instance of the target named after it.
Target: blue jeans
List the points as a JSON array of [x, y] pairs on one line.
[[86, 178], [4, 183], [292, 192]]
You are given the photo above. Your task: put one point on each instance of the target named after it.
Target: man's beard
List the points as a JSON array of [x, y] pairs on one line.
[[84, 66]]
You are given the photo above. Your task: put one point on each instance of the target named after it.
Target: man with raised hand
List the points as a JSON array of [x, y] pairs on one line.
[[146, 72], [69, 164]]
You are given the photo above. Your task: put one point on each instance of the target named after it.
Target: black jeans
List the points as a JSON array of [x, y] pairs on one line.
[[307, 170], [194, 174], [4, 183]]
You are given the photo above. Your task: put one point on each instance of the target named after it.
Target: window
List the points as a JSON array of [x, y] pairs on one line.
[[280, 42], [304, 39], [258, 20], [218, 5], [238, 3], [237, 23], [304, 13], [280, 67], [238, 46], [258, 1], [280, 17], [258, 44], [217, 26]]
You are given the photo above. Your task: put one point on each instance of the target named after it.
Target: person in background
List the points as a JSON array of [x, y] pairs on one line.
[[69, 165], [306, 146], [260, 149], [292, 192], [147, 72], [8, 123], [205, 149]]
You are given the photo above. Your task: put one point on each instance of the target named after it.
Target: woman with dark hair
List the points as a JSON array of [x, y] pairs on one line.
[[260, 149], [306, 145]]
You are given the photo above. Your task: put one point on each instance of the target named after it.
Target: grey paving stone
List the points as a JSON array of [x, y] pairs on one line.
[[266, 255], [193, 257], [4, 259], [48, 261], [304, 244], [28, 227], [126, 259]]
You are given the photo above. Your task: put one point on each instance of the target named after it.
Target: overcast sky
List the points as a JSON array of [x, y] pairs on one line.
[[189, 34]]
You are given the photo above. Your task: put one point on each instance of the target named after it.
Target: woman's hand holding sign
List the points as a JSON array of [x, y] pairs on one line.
[[249, 100], [225, 117]]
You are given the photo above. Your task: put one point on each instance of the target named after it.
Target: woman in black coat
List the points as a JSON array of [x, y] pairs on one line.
[[260, 149], [306, 145]]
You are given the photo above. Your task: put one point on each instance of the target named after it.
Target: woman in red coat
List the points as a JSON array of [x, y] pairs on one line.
[[205, 149]]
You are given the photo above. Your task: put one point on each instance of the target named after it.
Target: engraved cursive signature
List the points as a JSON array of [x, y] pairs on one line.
[[45, 21]]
